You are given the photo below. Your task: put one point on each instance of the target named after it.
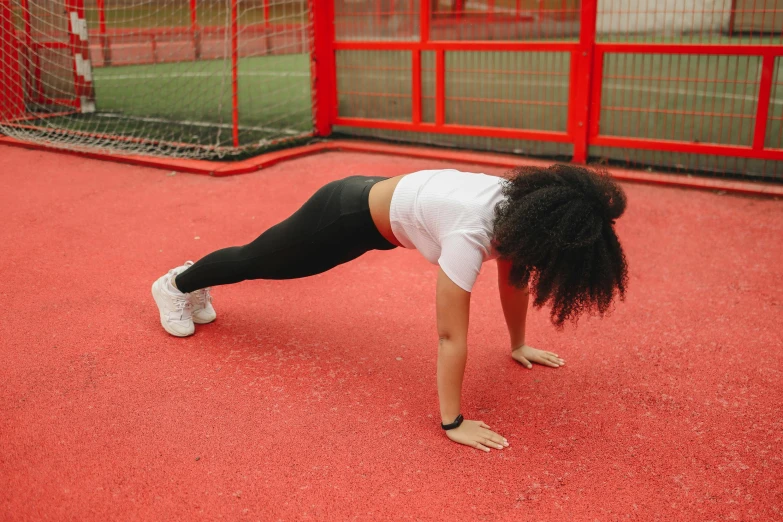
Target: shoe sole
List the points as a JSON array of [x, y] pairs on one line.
[[156, 296], [199, 321]]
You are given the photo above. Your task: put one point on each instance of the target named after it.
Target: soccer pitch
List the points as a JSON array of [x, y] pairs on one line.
[[191, 102], [690, 98]]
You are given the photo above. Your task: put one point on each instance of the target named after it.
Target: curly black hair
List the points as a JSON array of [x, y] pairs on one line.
[[556, 227]]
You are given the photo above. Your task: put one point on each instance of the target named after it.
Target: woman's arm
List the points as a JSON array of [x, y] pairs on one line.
[[453, 311], [515, 303]]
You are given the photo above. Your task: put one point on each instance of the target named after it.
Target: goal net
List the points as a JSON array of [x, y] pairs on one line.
[[181, 78]]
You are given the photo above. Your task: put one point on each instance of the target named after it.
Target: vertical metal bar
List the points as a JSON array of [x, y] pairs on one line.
[[31, 66], [762, 109], [424, 20], [194, 32], [73, 39], [105, 43], [324, 74], [11, 87], [416, 86], [733, 17], [440, 87], [579, 106], [267, 15], [235, 70]]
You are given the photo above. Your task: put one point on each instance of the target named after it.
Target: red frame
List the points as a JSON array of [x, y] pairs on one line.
[[584, 108]]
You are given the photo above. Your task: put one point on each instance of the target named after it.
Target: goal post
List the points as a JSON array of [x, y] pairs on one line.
[[78, 36], [11, 89], [200, 79]]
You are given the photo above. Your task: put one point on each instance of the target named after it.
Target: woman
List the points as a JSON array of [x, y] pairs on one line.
[[549, 228]]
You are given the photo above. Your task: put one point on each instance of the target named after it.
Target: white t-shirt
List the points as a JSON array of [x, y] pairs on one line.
[[447, 215]]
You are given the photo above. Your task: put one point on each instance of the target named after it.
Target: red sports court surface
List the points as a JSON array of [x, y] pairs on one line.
[[316, 399]]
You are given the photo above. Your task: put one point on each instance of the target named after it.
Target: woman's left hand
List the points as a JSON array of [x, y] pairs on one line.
[[526, 355]]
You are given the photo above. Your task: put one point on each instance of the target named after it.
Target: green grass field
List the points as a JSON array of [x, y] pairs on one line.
[[191, 102], [690, 98]]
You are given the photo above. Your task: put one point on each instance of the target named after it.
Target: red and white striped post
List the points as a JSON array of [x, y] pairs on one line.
[[82, 67]]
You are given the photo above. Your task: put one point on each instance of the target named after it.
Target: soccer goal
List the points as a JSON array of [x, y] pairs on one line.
[[181, 78]]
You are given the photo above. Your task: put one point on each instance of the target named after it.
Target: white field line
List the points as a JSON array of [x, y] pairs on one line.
[[118, 77], [526, 83], [289, 132]]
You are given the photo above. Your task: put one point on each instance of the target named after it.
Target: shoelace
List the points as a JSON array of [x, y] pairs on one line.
[[202, 297], [181, 303]]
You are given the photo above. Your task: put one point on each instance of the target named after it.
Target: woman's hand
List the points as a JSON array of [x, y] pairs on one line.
[[526, 355], [477, 435]]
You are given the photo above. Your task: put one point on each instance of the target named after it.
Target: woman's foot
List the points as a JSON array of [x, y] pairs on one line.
[[201, 301], [174, 306]]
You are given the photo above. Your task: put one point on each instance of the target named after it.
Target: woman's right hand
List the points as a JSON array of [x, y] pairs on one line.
[[477, 435]]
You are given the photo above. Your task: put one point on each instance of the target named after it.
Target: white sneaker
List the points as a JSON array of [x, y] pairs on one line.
[[201, 301], [174, 306]]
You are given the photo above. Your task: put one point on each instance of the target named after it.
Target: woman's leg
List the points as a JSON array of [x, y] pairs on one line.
[[334, 226]]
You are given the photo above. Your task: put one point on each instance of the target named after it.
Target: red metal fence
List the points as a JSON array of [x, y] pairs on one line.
[[691, 84], [693, 77]]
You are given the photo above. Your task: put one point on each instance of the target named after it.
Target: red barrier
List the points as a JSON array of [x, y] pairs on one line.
[[681, 39]]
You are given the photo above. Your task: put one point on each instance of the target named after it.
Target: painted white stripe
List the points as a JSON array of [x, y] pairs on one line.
[[78, 26], [289, 132], [83, 67], [119, 77], [87, 105]]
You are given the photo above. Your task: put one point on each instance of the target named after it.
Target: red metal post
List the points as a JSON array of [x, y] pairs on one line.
[[235, 71], [424, 21], [324, 74], [11, 91], [579, 113], [733, 17], [73, 39], [440, 87], [267, 27], [105, 41], [762, 109], [267, 14], [416, 86], [32, 60], [458, 8], [195, 34]]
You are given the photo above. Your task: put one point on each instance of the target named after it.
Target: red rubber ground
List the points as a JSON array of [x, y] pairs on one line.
[[316, 399]]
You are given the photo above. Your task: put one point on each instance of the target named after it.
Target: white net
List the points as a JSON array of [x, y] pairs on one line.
[[180, 78]]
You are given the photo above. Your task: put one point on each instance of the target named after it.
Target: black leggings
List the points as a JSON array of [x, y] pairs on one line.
[[332, 227]]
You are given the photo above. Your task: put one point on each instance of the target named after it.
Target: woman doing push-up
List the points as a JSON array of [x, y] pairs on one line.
[[551, 230]]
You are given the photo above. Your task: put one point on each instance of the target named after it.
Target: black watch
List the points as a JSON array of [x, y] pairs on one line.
[[456, 424]]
